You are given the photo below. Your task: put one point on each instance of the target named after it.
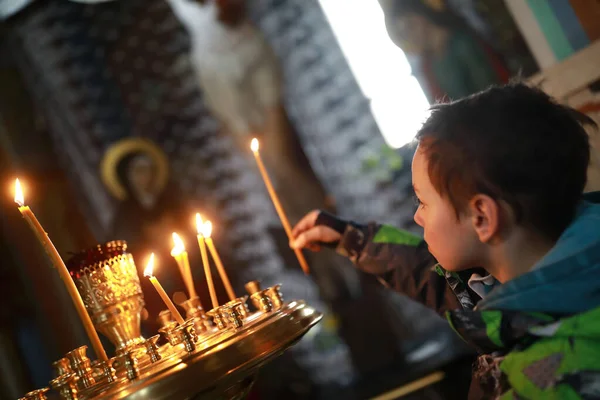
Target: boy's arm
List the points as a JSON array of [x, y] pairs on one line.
[[398, 258]]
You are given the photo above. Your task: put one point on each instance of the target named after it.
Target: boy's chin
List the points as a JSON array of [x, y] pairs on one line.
[[454, 263]]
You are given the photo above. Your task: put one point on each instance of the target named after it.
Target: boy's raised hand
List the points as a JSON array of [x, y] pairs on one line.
[[310, 236]]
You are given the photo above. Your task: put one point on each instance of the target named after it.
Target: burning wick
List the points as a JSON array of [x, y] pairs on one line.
[[19, 194], [254, 145]]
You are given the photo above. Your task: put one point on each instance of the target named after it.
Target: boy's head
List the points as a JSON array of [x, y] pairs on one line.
[[504, 159]]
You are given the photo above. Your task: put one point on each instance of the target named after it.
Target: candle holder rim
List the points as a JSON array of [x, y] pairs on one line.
[[96, 255], [81, 350]]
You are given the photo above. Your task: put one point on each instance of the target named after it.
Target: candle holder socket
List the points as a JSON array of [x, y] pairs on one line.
[[220, 316], [170, 335], [104, 371], [193, 309], [252, 287], [202, 325], [62, 367], [66, 386], [126, 364], [274, 293], [236, 312], [152, 348], [80, 364], [262, 301], [245, 308], [187, 335], [166, 321], [39, 394]]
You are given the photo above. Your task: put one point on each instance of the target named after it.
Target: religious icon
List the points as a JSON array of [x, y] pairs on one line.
[[134, 164], [452, 60], [149, 209], [136, 172]]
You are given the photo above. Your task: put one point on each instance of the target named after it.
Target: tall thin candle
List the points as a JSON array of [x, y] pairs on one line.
[[63, 272], [183, 262], [215, 255], [282, 216], [161, 292], [209, 281]]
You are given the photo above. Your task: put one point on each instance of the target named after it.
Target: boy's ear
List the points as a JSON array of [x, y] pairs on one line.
[[485, 214]]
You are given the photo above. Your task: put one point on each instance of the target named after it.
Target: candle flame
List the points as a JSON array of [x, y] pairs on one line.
[[150, 266], [254, 145], [207, 229], [19, 199], [179, 246], [199, 223]]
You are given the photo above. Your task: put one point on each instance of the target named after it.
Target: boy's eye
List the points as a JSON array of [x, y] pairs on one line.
[[417, 200]]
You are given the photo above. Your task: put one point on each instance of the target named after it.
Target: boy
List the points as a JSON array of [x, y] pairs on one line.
[[499, 177]]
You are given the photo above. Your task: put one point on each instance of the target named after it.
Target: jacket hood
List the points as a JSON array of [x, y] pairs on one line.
[[566, 281]]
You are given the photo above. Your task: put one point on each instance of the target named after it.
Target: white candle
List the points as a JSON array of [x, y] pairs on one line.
[[209, 281], [215, 255], [183, 262], [161, 292], [60, 266], [282, 216]]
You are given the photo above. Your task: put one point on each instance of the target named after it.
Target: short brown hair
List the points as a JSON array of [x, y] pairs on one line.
[[513, 143]]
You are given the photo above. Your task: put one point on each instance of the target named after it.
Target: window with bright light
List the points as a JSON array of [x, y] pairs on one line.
[[380, 67]]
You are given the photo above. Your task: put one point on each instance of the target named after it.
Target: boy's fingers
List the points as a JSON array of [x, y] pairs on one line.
[[314, 236], [307, 222]]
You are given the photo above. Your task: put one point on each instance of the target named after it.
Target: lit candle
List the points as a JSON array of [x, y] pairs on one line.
[[181, 256], [206, 232], [277, 203], [60, 266], [161, 292], [209, 281]]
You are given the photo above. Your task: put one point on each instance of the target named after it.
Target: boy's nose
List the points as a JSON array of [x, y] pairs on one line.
[[418, 219]]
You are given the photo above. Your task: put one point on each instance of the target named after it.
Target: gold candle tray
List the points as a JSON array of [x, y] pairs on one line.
[[212, 355]]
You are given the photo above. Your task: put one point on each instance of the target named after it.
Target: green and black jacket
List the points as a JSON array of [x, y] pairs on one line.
[[538, 335]]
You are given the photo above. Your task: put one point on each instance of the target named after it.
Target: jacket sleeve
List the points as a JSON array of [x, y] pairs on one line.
[[398, 258]]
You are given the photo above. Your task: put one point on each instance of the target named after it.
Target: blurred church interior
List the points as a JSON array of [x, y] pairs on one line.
[[333, 89]]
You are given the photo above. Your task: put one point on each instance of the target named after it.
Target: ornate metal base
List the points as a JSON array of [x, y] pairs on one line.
[[223, 365], [212, 355], [213, 364]]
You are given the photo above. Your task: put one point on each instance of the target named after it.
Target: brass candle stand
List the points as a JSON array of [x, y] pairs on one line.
[[212, 355]]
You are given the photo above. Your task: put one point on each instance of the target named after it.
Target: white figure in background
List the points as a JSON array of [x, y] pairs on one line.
[[237, 69], [241, 80]]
